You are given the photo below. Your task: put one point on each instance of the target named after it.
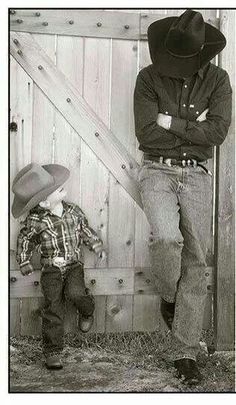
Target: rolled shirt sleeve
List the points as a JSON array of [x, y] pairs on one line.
[[27, 241], [89, 236]]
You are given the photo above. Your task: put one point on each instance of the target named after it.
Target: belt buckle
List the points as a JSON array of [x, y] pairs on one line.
[[59, 263], [167, 162]]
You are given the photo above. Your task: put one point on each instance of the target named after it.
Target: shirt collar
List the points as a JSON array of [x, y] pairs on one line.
[[201, 73], [44, 211]]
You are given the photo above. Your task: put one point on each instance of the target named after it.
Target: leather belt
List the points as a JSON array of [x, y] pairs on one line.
[[49, 261], [175, 162]]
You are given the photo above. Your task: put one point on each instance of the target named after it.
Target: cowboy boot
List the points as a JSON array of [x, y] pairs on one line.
[[188, 369], [167, 311], [85, 323], [54, 362]]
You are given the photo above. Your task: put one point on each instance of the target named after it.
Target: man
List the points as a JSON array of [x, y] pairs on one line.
[[182, 108]]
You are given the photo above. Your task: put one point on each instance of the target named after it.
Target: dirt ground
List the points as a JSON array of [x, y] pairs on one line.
[[128, 362]]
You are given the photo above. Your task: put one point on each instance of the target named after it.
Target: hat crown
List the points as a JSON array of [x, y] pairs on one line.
[[30, 181], [186, 36]]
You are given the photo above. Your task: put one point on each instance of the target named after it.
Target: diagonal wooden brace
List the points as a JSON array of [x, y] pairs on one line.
[[76, 111]]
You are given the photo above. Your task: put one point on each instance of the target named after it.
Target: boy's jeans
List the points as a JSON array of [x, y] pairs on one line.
[[177, 203], [56, 287]]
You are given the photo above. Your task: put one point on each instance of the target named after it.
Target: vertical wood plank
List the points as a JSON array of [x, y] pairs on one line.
[[99, 314], [21, 102], [94, 178], [67, 141], [14, 316], [30, 320], [43, 112], [122, 214], [225, 284], [119, 313], [146, 308], [146, 315], [124, 69]]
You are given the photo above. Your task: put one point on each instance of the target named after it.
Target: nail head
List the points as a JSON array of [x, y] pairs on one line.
[[40, 67], [12, 12], [19, 52], [45, 23], [99, 24], [68, 100], [16, 41], [126, 26], [19, 21], [123, 166], [38, 14], [71, 22], [96, 134]]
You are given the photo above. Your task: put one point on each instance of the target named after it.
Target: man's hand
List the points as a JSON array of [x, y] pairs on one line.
[[164, 120], [202, 117]]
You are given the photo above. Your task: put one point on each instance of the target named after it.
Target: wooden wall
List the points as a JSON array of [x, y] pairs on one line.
[[104, 71]]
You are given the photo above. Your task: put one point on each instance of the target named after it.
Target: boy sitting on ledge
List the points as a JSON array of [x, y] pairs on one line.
[[57, 229]]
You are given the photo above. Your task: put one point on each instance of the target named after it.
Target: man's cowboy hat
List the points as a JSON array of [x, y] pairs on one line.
[[34, 183], [180, 46]]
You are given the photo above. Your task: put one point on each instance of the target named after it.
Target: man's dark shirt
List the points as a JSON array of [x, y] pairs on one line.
[[184, 100]]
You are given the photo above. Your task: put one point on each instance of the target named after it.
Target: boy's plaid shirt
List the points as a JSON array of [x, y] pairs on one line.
[[55, 236]]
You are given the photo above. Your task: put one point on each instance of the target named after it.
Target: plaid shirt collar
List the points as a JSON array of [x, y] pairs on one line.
[[43, 212]]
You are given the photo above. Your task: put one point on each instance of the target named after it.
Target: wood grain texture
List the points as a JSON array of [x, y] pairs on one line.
[[121, 207], [77, 112], [87, 23], [43, 112], [119, 313], [30, 316], [21, 105], [225, 220], [117, 281], [14, 316], [99, 314], [94, 180], [67, 144], [146, 316]]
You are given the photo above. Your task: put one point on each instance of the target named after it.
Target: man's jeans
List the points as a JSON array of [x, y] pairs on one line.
[[56, 287], [177, 203]]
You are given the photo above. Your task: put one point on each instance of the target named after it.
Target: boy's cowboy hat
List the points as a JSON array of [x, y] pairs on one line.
[[180, 46], [34, 183]]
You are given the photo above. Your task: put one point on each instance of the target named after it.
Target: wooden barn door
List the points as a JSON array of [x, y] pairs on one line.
[[100, 54]]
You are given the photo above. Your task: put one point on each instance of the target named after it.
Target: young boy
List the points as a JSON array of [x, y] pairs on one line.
[[57, 229]]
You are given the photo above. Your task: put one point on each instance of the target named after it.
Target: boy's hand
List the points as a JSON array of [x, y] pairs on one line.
[[202, 117], [102, 255], [26, 270]]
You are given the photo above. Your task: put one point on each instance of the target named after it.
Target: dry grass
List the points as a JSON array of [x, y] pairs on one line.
[[100, 362]]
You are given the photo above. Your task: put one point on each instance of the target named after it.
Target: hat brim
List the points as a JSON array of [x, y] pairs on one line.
[[60, 175], [174, 66]]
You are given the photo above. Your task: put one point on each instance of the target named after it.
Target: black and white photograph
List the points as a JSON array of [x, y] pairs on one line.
[[121, 199]]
